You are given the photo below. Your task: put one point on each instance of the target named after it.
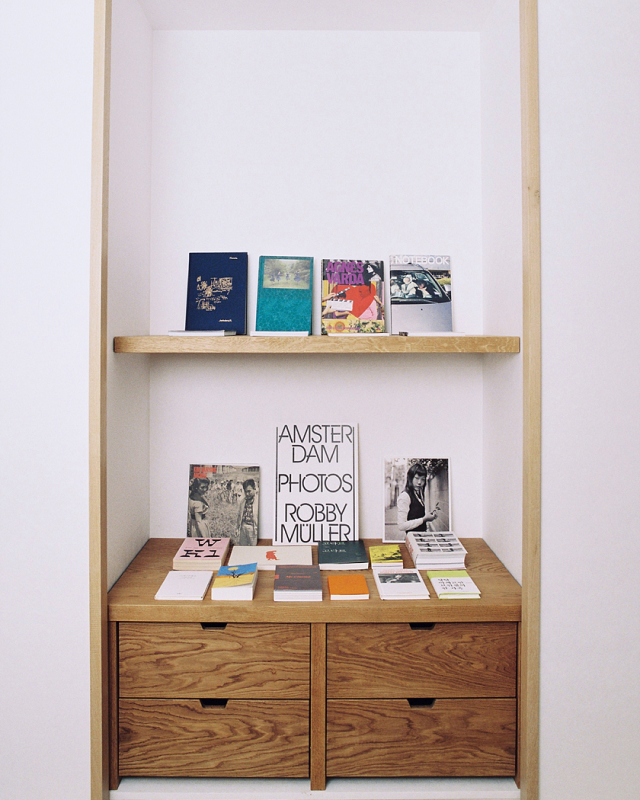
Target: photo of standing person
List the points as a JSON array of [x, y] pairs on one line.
[[223, 502], [416, 496]]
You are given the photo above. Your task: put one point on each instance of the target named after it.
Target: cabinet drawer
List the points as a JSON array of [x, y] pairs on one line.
[[162, 659], [247, 738], [448, 660], [388, 738]]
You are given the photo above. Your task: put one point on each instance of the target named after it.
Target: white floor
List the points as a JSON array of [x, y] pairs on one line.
[[298, 789]]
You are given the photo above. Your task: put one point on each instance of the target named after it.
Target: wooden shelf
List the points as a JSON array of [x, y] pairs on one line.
[[455, 343], [132, 597]]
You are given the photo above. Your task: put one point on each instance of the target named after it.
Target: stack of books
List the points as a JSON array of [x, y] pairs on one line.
[[441, 550], [205, 554], [454, 584]]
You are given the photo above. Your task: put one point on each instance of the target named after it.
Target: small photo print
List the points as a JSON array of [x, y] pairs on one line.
[[286, 273], [223, 502], [416, 497]]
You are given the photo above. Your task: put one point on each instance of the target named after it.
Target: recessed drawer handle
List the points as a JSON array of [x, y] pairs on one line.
[[422, 626], [421, 702], [213, 702], [213, 626]]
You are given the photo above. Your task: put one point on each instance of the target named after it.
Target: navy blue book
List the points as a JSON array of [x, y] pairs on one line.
[[217, 292]]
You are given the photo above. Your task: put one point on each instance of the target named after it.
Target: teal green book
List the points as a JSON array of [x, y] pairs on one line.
[[285, 290]]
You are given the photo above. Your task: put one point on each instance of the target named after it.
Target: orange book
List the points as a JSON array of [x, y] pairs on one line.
[[348, 587]]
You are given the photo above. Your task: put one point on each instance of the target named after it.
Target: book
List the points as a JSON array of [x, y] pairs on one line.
[[196, 553], [217, 292], [235, 583], [342, 555], [348, 587], [184, 585], [352, 296], [316, 483], [400, 584], [436, 550], [223, 502], [285, 292], [297, 583], [269, 557], [202, 333], [416, 497], [453, 584], [385, 555], [420, 294]]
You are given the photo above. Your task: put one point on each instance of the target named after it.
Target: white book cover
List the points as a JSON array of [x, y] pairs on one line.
[[184, 585], [400, 584], [269, 557], [316, 483], [420, 294]]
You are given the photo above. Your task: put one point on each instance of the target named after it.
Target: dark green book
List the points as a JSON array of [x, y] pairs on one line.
[[342, 555]]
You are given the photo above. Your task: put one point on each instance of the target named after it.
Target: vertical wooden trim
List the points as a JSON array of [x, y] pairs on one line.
[[97, 404], [531, 348], [318, 711], [114, 707]]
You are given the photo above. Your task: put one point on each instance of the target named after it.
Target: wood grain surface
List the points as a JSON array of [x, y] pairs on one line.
[[388, 738], [318, 705], [248, 738], [132, 597], [165, 659], [455, 343], [451, 660]]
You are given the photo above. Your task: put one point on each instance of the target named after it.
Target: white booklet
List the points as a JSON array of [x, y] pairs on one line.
[[269, 557], [400, 584], [184, 585]]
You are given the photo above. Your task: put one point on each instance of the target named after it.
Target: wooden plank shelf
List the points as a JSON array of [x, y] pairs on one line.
[[454, 343], [132, 597]]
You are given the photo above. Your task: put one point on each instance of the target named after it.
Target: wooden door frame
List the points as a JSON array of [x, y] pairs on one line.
[[531, 348]]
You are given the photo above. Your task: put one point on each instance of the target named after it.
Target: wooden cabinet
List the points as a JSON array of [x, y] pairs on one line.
[[352, 689]]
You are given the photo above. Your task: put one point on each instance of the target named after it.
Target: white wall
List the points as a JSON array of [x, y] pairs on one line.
[[590, 118], [45, 139]]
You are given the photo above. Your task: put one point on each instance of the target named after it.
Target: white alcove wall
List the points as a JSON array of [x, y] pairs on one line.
[[351, 130]]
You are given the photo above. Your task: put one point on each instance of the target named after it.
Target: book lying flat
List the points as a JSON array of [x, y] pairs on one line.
[[385, 555], [235, 583], [453, 584], [400, 584], [297, 583], [195, 553], [348, 587], [184, 585], [342, 555], [269, 557]]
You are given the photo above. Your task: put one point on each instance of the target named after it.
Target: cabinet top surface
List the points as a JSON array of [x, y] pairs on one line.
[[450, 343], [132, 597]]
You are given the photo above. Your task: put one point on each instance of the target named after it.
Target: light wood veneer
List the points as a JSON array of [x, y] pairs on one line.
[[317, 344]]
